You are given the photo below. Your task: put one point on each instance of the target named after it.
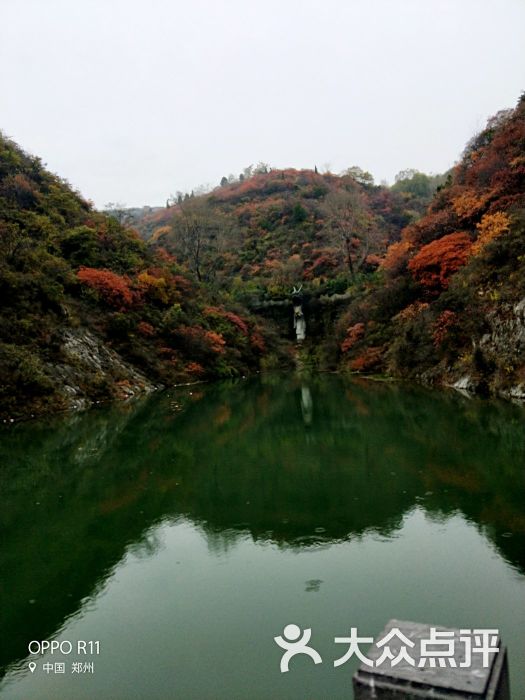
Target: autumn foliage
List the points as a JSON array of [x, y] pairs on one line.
[[68, 270], [199, 341], [444, 322], [229, 316], [353, 334], [452, 274], [469, 203], [411, 311], [146, 329], [396, 256], [490, 227], [433, 266], [195, 369], [257, 342], [368, 360], [410, 276], [112, 288], [153, 287], [283, 227]]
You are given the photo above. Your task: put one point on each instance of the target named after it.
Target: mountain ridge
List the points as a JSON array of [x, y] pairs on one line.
[[424, 280]]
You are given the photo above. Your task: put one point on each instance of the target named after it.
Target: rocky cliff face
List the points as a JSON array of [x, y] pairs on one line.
[[504, 348], [497, 363], [87, 363], [83, 372]]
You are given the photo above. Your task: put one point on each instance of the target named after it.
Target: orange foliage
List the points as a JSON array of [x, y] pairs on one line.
[[165, 256], [434, 224], [257, 342], [325, 260], [490, 227], [20, 188], [396, 256], [145, 329], [265, 184], [436, 262], [469, 203], [235, 320], [216, 341], [195, 368], [353, 334], [373, 260], [198, 340], [153, 287], [254, 213], [369, 359], [411, 311], [271, 264], [442, 325], [114, 289], [160, 234]]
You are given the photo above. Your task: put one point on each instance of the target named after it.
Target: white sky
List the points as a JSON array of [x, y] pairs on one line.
[[131, 100]]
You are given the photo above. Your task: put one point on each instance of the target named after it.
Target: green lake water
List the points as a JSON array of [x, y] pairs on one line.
[[184, 531]]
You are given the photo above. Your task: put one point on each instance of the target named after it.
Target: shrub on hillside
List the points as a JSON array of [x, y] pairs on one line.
[[112, 288], [433, 265]]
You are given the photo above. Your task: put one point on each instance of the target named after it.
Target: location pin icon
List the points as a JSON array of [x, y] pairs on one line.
[[32, 666]]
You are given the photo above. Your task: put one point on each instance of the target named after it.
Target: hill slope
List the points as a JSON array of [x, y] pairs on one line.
[[262, 235], [89, 312], [448, 305], [391, 283]]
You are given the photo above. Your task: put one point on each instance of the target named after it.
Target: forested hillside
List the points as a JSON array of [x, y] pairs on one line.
[[263, 233], [448, 302], [89, 312], [431, 270], [423, 280]]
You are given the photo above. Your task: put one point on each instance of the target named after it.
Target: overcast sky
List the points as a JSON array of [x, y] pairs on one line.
[[133, 100]]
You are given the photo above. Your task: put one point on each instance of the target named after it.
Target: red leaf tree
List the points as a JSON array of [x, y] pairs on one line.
[[112, 288], [436, 262]]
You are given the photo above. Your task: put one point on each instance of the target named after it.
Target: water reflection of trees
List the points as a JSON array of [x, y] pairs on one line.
[[78, 491]]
